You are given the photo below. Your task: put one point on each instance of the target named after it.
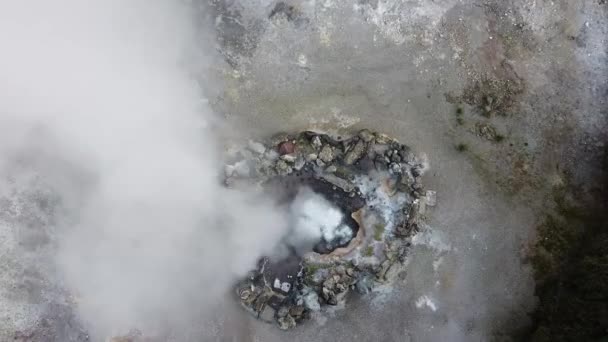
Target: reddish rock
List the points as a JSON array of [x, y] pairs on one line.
[[287, 147]]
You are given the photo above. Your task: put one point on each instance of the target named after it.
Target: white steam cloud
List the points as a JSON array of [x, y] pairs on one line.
[[314, 219], [97, 102]]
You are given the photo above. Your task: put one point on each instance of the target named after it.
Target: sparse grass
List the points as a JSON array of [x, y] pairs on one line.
[[461, 147], [369, 251], [499, 138], [460, 121], [312, 268], [378, 231], [459, 111]]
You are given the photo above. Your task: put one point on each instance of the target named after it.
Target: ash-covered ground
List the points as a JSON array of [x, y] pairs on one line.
[[507, 99]]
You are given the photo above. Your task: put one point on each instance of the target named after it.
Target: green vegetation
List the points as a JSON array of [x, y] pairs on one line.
[[499, 138], [460, 121], [369, 251]]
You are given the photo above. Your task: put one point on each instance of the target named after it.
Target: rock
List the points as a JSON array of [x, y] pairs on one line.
[[297, 312], [311, 157], [320, 163], [485, 131], [286, 323], [283, 311], [364, 284], [256, 147], [299, 164], [395, 168], [339, 182], [326, 154], [286, 147], [311, 301], [383, 138], [431, 198], [316, 142], [331, 169], [267, 314], [396, 158], [355, 153], [366, 135], [290, 158], [283, 169]]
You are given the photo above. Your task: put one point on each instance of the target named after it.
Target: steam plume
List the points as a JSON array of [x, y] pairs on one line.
[[98, 104]]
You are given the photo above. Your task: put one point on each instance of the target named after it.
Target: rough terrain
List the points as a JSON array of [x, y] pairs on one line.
[[508, 99]]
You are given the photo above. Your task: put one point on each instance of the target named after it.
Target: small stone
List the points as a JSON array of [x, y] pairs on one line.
[[431, 198], [256, 147], [283, 169], [286, 323], [290, 158], [395, 168], [355, 153], [320, 163], [396, 158], [326, 154], [283, 311], [287, 147], [267, 314], [311, 157], [299, 164], [316, 142], [297, 311], [331, 169], [382, 138], [366, 135]]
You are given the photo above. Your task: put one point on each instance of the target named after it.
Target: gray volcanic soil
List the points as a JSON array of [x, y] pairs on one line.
[[533, 71]]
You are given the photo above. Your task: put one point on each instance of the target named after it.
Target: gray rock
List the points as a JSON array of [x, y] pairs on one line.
[[267, 314], [299, 164], [339, 182], [316, 142], [395, 168], [331, 169], [283, 169], [311, 157], [364, 284], [431, 198], [327, 154], [320, 163], [256, 147], [355, 153], [286, 323], [290, 158], [366, 135]]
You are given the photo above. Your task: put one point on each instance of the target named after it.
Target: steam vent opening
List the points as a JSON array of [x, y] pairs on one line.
[[353, 206]]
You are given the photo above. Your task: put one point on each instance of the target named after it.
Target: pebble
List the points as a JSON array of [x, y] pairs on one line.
[[290, 158], [256, 147], [316, 142]]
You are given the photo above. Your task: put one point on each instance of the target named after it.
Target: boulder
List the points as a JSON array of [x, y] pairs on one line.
[[355, 153]]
